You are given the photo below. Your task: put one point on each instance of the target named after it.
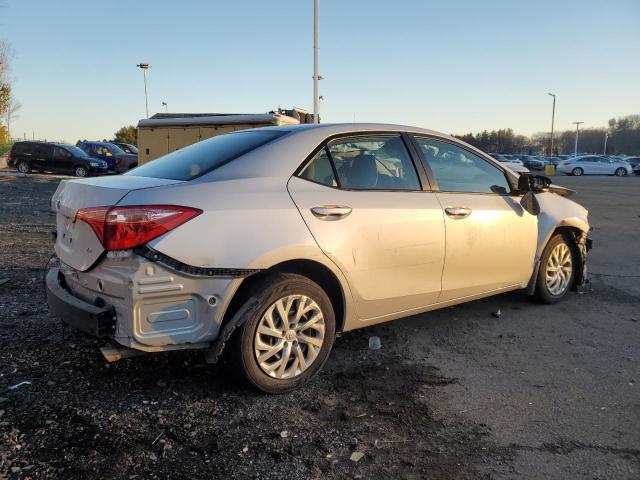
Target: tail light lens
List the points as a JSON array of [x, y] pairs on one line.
[[122, 228], [118, 160], [9, 155]]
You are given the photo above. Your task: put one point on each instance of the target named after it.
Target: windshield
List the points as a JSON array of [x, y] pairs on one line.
[[114, 149], [75, 151], [205, 156]]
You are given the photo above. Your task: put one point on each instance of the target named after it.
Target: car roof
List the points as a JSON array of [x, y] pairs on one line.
[[98, 143], [286, 153], [330, 129]]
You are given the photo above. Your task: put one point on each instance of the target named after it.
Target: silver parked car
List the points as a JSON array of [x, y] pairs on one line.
[[273, 240], [594, 165]]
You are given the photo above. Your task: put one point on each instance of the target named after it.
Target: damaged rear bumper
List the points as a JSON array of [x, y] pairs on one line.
[[140, 303], [88, 318]]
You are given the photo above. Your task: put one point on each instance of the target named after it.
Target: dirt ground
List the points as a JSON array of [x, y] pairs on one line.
[[541, 392]]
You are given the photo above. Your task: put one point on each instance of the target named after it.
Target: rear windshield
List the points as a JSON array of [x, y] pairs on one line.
[[203, 157]]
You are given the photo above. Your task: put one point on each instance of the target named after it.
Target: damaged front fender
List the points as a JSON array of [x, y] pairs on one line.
[[583, 245]]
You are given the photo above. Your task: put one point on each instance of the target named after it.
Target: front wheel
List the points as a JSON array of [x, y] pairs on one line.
[[80, 171], [287, 339], [577, 172], [621, 172], [557, 270]]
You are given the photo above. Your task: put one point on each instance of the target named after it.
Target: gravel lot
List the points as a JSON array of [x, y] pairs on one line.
[[541, 392]]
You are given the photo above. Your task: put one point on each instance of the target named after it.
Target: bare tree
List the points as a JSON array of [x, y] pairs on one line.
[[6, 53], [11, 114]]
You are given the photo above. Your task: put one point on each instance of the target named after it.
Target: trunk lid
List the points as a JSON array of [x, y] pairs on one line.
[[76, 243]]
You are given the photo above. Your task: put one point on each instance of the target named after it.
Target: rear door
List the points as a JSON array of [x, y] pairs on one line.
[[42, 157], [362, 199], [490, 239]]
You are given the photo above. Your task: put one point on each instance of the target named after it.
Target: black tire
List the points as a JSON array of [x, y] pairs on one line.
[[576, 172], [23, 166], [621, 172], [543, 294], [80, 171], [267, 292]]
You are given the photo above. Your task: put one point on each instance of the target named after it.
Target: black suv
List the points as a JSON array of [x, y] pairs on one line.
[[54, 157]]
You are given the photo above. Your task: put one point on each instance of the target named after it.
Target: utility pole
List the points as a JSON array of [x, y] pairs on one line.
[[166, 108], [145, 67], [606, 137], [316, 34], [575, 148], [553, 114]]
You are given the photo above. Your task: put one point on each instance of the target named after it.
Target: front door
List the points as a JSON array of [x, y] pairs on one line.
[[62, 159], [490, 239], [362, 200]]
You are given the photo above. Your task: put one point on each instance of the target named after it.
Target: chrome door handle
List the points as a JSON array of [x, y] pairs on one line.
[[458, 212], [331, 212]]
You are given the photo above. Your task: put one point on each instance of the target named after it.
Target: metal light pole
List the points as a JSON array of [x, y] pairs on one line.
[[316, 14], [145, 67], [166, 108], [553, 114], [606, 137], [575, 148]]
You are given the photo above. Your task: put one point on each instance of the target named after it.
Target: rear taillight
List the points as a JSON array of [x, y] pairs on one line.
[[9, 155], [122, 228], [118, 160]]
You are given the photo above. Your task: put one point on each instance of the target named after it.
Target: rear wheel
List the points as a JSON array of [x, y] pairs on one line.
[[80, 171], [23, 167], [557, 270], [288, 338], [621, 172], [577, 172]]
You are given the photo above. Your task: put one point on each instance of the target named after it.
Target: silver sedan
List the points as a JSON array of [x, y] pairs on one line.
[[271, 241], [594, 165]]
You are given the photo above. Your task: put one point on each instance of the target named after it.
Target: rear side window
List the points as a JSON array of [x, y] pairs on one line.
[[205, 156], [20, 148], [319, 170], [379, 162]]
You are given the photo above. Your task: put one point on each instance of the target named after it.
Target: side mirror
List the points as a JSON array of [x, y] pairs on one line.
[[530, 203], [527, 186]]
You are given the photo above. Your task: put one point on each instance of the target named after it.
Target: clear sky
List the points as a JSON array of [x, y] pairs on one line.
[[453, 66]]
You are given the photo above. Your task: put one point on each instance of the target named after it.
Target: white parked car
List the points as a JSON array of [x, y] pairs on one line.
[[513, 164], [594, 165], [276, 239]]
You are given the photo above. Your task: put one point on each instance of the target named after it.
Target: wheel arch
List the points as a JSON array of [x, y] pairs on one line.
[[576, 231], [312, 269]]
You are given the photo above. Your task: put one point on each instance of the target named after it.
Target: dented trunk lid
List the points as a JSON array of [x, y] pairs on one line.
[[76, 243]]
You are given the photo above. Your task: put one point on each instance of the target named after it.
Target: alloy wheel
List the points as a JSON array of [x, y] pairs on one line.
[[289, 336], [23, 167], [81, 172], [558, 269], [621, 172]]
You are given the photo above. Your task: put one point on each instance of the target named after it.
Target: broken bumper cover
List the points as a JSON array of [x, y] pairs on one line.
[[88, 318]]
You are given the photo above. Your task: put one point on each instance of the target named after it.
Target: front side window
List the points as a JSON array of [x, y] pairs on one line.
[[458, 170], [61, 153], [373, 163]]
